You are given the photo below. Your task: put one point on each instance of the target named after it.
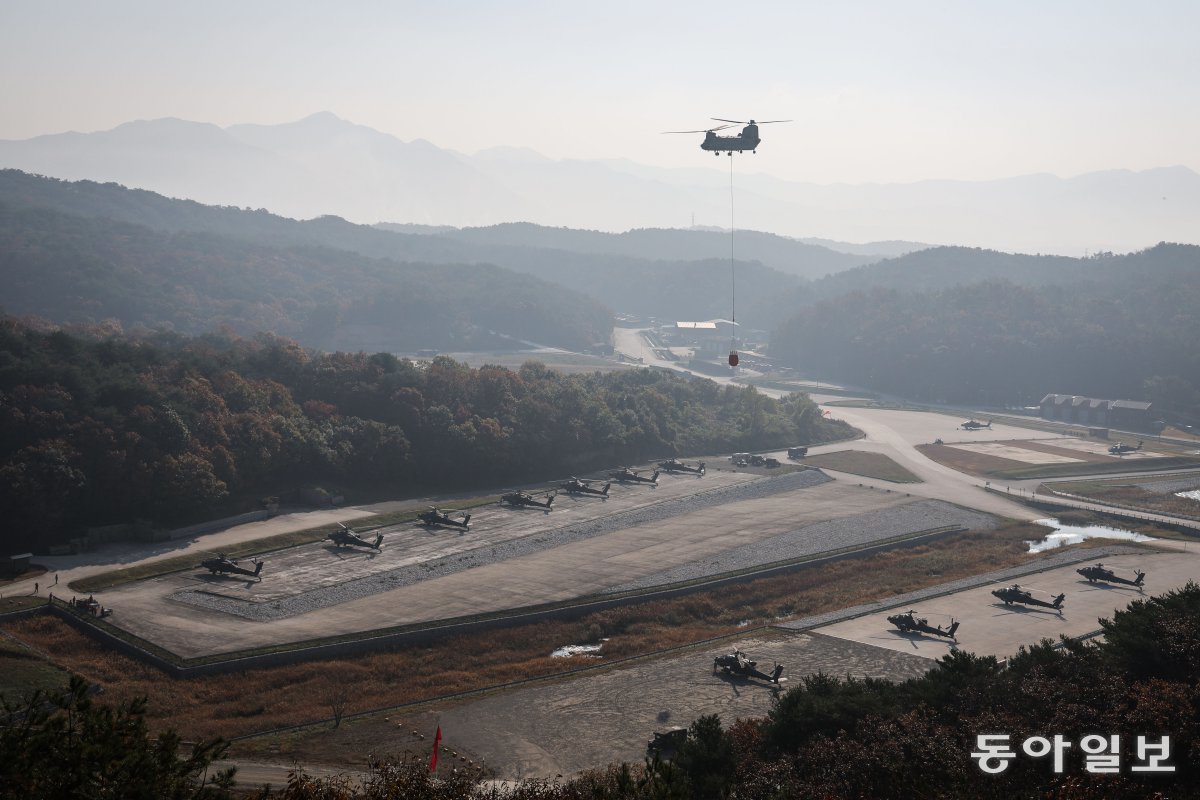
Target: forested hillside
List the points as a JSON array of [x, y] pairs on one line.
[[72, 269], [681, 274], [98, 428], [967, 330], [789, 256]]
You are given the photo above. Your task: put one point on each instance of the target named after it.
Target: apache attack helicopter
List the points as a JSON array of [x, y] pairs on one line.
[[220, 563], [1015, 594], [910, 623], [347, 536], [747, 140], [1103, 573], [1120, 449], [736, 663], [435, 516], [975, 425], [675, 465], [520, 499], [576, 486], [627, 475]]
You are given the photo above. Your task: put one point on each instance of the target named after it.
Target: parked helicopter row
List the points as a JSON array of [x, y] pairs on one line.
[[909, 622], [344, 536]]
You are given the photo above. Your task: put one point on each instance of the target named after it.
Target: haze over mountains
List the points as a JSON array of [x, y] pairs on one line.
[[325, 165]]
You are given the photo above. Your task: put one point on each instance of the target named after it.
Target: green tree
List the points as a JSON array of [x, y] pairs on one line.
[[72, 747]]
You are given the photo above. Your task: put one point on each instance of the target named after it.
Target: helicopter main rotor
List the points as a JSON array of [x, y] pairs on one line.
[[751, 122], [707, 130]]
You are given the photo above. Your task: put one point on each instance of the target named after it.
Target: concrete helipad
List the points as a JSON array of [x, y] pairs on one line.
[[989, 627], [1014, 452], [189, 613], [1101, 448]]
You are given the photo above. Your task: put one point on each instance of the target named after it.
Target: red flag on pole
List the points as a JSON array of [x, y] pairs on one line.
[[437, 742]]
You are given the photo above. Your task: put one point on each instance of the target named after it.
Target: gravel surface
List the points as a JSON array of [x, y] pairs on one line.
[[1172, 485], [998, 576], [822, 537], [327, 596]]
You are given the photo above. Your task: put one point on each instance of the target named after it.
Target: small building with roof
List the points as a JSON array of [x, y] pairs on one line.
[[1129, 415]]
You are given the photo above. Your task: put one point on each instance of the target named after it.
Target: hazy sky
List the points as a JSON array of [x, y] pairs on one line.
[[879, 91]]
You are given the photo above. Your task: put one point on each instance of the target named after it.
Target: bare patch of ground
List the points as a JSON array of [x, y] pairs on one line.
[[865, 463]]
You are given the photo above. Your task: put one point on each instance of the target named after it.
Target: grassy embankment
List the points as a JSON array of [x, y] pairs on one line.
[[869, 465], [987, 466], [263, 699], [1128, 494]]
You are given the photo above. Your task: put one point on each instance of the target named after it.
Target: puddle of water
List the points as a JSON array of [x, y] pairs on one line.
[[576, 650], [1192, 495], [1074, 534]]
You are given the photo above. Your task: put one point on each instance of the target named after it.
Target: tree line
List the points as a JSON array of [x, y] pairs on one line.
[[75, 269], [1125, 329], [826, 737], [98, 427]]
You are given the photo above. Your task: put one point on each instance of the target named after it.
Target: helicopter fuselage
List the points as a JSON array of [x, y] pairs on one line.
[[748, 140]]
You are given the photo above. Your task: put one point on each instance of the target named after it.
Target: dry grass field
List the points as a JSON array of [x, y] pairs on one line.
[[861, 462], [1129, 495]]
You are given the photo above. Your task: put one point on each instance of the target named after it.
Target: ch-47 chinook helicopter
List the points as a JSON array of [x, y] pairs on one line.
[[221, 563], [1015, 594], [675, 465], [346, 536], [747, 140], [975, 425], [911, 623], [576, 486], [525, 499], [435, 516], [1103, 573], [737, 663], [627, 475], [1120, 448]]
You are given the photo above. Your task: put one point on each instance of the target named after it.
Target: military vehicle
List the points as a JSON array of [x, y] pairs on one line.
[[576, 486], [435, 516], [911, 623], [739, 665], [748, 139], [975, 425], [220, 563], [346, 536], [797, 453], [1103, 573], [520, 499], [1015, 594], [675, 465], [627, 475], [665, 744], [1120, 449]]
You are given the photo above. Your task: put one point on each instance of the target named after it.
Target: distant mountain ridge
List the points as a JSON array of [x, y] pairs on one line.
[[194, 269], [326, 165], [670, 281]]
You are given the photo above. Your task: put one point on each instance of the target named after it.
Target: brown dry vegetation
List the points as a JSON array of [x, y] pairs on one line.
[[1132, 496], [263, 699], [859, 462], [966, 461]]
